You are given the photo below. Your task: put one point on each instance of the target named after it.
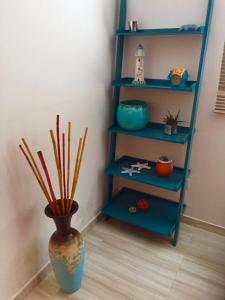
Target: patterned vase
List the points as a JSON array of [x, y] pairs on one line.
[[66, 251]]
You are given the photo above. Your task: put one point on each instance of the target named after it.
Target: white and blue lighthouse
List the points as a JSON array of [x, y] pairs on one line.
[[139, 68]]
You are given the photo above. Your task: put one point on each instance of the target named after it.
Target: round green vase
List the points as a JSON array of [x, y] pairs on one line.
[[132, 114], [66, 251]]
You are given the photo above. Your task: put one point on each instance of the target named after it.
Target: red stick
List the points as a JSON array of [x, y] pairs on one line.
[[58, 143], [42, 160], [64, 168]]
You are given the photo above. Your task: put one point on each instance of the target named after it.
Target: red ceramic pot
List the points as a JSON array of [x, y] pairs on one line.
[[164, 168]]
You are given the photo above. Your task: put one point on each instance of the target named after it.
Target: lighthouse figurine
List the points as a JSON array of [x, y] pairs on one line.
[[139, 69]]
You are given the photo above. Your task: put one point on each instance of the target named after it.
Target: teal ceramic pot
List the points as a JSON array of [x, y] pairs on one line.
[[132, 114], [67, 252]]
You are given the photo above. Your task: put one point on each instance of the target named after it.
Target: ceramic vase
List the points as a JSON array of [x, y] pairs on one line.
[[132, 114], [66, 251]]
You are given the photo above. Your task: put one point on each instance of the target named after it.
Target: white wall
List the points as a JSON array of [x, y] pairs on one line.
[[206, 194], [55, 57]]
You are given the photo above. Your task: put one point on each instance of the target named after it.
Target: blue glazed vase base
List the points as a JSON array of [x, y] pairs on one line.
[[70, 282]]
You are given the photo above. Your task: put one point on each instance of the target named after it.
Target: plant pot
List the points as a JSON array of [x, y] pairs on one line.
[[132, 114], [164, 168], [170, 130], [66, 251]]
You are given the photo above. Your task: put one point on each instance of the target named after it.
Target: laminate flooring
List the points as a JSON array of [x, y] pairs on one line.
[[125, 262]]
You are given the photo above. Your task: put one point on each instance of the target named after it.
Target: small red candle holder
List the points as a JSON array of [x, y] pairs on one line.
[[143, 204]]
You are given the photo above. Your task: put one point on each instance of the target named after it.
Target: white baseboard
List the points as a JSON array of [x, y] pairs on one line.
[[34, 281], [203, 225]]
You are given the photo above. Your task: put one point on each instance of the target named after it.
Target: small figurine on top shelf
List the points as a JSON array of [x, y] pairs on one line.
[[189, 27], [133, 25], [139, 69]]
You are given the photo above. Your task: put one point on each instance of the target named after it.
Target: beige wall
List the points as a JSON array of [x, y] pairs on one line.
[[206, 193], [55, 57]]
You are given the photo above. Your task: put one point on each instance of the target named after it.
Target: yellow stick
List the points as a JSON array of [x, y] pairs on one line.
[[68, 163], [58, 170], [38, 176], [83, 145], [77, 170]]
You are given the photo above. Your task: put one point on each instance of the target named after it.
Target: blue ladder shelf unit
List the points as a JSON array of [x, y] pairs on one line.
[[164, 215]]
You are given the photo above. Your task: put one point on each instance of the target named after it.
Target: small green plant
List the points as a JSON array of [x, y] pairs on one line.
[[171, 120]]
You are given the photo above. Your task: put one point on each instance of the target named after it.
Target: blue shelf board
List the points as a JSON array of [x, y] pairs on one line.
[[160, 217], [156, 131], [154, 84], [173, 182], [161, 31]]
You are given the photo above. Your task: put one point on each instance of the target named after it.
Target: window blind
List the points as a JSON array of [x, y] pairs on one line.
[[220, 100]]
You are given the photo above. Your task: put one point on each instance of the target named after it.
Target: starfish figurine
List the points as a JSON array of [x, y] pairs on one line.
[[129, 171], [141, 166]]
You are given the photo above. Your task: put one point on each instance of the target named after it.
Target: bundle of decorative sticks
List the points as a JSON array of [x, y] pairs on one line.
[[64, 204]]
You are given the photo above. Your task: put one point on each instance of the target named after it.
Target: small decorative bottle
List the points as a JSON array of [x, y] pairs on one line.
[[139, 69]]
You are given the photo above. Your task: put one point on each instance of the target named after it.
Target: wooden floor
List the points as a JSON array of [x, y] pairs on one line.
[[125, 262]]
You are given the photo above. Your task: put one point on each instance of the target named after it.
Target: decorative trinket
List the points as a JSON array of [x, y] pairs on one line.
[[141, 166], [139, 69], [133, 25], [178, 77], [143, 204], [130, 171], [189, 27], [164, 167], [132, 209]]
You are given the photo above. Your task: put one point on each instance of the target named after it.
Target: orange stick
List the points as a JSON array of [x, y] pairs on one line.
[[68, 162], [75, 174], [58, 170], [42, 160], [58, 142], [39, 180], [82, 151], [59, 154], [64, 167], [35, 166]]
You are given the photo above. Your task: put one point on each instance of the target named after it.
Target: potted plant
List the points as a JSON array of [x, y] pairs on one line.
[[66, 246], [171, 123], [164, 166]]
